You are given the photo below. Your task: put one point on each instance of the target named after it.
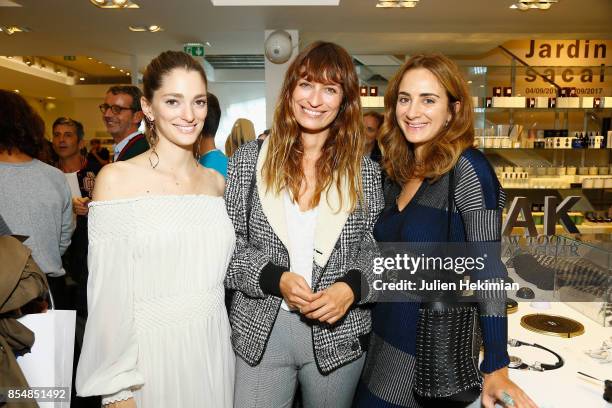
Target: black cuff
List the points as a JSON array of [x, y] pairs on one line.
[[269, 279], [355, 280]]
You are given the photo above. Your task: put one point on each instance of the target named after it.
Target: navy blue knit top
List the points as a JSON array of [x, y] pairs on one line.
[[476, 217]]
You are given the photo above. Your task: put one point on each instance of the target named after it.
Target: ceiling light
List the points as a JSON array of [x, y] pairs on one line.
[[113, 67], [9, 56], [51, 98], [114, 4], [16, 90], [152, 28], [469, 82], [397, 3], [524, 5], [10, 30], [127, 73], [120, 70], [261, 3], [89, 58], [81, 78]]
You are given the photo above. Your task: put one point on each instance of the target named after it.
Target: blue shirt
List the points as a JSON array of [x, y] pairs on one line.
[[216, 160]]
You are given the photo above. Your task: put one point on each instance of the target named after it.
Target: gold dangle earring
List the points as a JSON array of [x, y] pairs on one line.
[[153, 161]]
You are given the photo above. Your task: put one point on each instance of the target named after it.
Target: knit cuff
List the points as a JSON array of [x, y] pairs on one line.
[[269, 279], [495, 339], [354, 279]]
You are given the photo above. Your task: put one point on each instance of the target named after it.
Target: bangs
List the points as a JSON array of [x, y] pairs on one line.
[[323, 65]]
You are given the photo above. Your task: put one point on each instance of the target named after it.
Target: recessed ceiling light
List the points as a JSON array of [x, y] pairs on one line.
[[99, 62], [51, 98], [89, 58], [514, 6], [397, 3], [127, 73], [81, 78], [10, 30], [152, 28], [469, 82], [261, 3], [120, 70], [482, 86], [114, 4], [113, 67], [16, 90]]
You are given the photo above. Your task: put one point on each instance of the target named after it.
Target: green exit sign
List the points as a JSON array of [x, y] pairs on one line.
[[194, 49], [69, 58]]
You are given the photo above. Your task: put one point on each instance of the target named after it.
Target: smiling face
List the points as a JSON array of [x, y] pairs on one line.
[[65, 141], [122, 124], [178, 107], [422, 108], [316, 105]]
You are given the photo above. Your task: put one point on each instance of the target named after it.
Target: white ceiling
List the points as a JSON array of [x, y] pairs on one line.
[[454, 27]]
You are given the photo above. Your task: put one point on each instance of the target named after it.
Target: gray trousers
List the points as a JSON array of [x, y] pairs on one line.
[[289, 358]]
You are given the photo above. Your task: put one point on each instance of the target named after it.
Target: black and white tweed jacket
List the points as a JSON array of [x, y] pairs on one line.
[[344, 251]]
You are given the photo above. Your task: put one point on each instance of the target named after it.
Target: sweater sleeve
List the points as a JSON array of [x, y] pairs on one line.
[[480, 202], [67, 218]]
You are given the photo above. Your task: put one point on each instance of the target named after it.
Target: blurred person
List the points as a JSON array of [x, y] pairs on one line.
[[35, 199], [122, 115], [372, 121], [243, 131], [68, 136], [98, 156], [209, 155], [264, 134], [303, 203], [160, 240]]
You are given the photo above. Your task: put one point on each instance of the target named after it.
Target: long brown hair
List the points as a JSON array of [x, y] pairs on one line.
[[340, 161], [442, 152]]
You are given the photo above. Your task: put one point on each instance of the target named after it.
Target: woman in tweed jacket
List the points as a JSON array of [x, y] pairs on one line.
[[303, 204]]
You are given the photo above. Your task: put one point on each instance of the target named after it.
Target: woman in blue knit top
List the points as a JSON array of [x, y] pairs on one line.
[[427, 136]]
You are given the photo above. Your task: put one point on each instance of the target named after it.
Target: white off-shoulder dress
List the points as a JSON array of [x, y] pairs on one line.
[[157, 328]]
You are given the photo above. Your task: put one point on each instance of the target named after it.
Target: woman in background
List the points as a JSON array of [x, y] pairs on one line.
[[242, 132]]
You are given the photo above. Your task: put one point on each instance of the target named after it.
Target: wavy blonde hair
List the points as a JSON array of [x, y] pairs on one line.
[[442, 152], [340, 160], [242, 132]]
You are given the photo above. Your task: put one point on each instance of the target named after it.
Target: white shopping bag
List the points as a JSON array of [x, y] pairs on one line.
[[49, 364]]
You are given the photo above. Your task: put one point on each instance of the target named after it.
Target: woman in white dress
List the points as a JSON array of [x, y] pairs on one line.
[[160, 241]]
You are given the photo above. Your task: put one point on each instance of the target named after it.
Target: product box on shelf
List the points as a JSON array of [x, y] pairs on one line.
[[606, 102], [541, 102], [572, 102], [509, 102]]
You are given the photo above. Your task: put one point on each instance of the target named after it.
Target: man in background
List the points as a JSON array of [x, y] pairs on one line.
[[372, 121], [122, 115], [212, 157]]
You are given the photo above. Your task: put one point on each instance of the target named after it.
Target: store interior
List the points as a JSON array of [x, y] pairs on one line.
[[541, 82]]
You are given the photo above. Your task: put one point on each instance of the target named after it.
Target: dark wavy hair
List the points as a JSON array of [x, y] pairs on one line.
[[21, 128], [340, 161]]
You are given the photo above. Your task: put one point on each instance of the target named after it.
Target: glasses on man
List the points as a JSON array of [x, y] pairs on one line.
[[116, 109]]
